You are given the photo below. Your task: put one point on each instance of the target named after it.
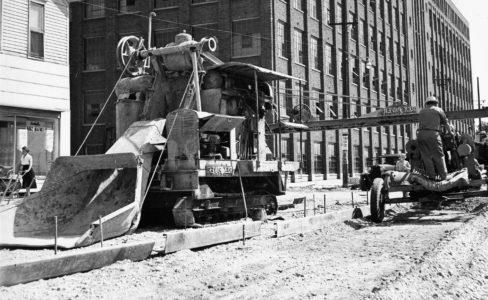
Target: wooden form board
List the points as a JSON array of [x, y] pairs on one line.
[[197, 238], [312, 223], [65, 264]]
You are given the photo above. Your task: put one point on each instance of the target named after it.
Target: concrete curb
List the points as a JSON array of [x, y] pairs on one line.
[[60, 265], [307, 224], [210, 236]]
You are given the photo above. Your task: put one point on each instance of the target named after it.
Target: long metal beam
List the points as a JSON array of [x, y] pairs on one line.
[[384, 120]]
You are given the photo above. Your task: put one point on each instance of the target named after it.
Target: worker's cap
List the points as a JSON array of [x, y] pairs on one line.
[[402, 155], [432, 100]]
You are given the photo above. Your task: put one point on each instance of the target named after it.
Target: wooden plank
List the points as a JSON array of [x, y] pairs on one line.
[[60, 265], [407, 118], [197, 238], [312, 223]]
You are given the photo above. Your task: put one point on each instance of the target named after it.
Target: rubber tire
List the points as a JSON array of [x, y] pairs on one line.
[[377, 204]]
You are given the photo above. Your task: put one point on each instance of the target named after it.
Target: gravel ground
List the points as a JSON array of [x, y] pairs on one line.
[[337, 199], [415, 253]]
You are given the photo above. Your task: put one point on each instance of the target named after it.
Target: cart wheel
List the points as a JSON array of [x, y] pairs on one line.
[[377, 204]]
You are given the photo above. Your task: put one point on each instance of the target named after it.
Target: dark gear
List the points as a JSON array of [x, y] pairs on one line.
[[430, 143]]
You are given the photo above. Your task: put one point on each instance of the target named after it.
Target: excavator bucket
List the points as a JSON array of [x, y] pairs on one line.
[[81, 191]]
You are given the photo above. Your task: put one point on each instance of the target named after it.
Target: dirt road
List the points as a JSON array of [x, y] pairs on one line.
[[414, 254]]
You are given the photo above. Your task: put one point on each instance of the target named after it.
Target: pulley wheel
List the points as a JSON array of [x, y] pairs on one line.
[[126, 55]]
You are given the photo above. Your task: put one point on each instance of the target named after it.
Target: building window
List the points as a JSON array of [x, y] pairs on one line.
[[365, 72], [286, 153], [373, 38], [299, 4], [377, 152], [355, 73], [36, 29], [338, 13], [246, 39], [372, 5], [364, 32], [93, 53], [354, 30], [36, 132], [384, 83], [164, 37], [314, 49], [126, 6], [357, 159], [318, 158], [332, 158], [382, 9], [282, 44], [303, 147], [92, 104], [299, 55], [94, 8], [404, 55], [390, 48], [392, 87], [329, 66], [314, 9]]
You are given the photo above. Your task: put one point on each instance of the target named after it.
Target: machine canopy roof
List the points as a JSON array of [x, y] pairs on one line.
[[247, 70]]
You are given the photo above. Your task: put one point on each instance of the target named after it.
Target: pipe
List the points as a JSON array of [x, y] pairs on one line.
[[55, 234], [185, 47], [196, 81], [149, 31], [479, 102], [279, 128], [256, 92]]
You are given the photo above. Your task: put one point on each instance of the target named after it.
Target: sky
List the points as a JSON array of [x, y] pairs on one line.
[[475, 11]]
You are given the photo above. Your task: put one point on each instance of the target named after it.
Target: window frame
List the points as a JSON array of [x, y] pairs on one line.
[[315, 51], [298, 43], [85, 15], [85, 39], [29, 28], [282, 45]]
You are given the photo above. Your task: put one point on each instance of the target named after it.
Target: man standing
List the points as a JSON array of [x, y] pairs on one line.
[[431, 117]]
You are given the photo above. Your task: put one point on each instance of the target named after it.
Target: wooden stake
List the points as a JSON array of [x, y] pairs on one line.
[[101, 230], [352, 199], [242, 191], [314, 204], [325, 203], [243, 234], [55, 234]]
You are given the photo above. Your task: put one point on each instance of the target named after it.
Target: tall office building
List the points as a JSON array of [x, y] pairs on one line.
[[442, 56], [355, 56]]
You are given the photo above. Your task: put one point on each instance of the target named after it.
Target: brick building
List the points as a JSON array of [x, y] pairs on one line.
[[350, 70]]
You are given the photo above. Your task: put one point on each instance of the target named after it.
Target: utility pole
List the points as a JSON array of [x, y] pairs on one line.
[[344, 143], [479, 100]]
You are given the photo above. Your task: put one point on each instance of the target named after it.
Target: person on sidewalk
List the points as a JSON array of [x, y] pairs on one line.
[[28, 176], [431, 118], [402, 165]]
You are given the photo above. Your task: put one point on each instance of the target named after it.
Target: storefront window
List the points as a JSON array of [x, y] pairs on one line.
[[7, 148], [40, 135]]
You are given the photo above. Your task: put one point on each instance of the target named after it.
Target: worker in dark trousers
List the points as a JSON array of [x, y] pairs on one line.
[[431, 118]]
